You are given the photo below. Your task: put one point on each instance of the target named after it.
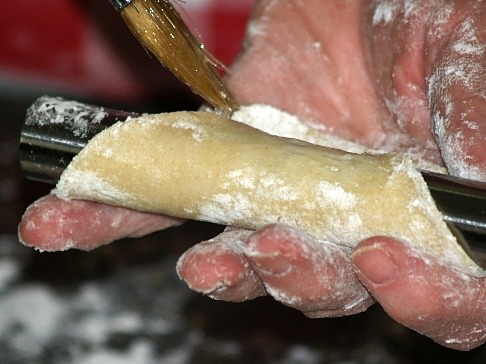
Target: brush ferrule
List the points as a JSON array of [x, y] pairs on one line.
[[120, 4]]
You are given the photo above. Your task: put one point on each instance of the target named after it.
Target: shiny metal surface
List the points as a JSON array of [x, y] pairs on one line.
[[55, 130], [462, 202], [120, 4]]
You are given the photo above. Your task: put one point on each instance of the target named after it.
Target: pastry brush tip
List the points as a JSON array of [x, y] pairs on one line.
[[160, 29]]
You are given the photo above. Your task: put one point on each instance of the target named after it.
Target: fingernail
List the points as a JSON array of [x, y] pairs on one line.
[[272, 265], [377, 266], [268, 263]]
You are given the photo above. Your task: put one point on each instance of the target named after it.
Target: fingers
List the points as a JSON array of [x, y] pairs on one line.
[[238, 265], [218, 268], [313, 277], [457, 91], [444, 304], [52, 224]]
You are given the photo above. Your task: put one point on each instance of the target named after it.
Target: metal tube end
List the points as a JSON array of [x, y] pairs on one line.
[[120, 4], [55, 130]]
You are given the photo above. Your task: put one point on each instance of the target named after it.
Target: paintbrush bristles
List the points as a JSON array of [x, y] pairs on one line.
[[161, 30]]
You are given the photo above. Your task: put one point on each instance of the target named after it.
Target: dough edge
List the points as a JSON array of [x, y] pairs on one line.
[[83, 183]]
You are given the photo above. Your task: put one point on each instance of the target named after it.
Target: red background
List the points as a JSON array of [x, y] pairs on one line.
[[83, 47]]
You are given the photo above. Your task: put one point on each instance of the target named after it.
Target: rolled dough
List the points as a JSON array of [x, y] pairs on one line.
[[202, 166]]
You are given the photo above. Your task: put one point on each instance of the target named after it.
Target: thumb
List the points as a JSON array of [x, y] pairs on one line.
[[423, 294]]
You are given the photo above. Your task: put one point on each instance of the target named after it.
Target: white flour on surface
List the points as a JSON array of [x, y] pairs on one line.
[[197, 133], [442, 16], [231, 207], [9, 272], [86, 181], [468, 43], [462, 70], [76, 327], [336, 195], [78, 116], [36, 311], [385, 11], [280, 123]]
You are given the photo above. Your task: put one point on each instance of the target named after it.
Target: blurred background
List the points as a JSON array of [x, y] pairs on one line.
[[124, 303]]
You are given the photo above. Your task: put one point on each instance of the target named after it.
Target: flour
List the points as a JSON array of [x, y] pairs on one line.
[[35, 312], [385, 11], [139, 352], [468, 43], [233, 207], [409, 7], [197, 133], [302, 354], [9, 272], [242, 178], [226, 208], [336, 195], [442, 15], [283, 296], [280, 123], [79, 326], [425, 206], [86, 181], [76, 116], [462, 70]]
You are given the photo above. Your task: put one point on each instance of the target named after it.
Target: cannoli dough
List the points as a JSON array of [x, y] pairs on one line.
[[202, 166]]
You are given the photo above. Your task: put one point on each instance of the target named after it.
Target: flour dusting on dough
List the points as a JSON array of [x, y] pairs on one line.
[[280, 123], [227, 207], [77, 184], [424, 205], [233, 207], [326, 193], [197, 133], [242, 178], [334, 194]]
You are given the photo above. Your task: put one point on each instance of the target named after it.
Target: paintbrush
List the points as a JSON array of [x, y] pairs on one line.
[[161, 30]]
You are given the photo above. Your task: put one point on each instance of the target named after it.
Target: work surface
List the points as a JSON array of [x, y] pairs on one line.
[[124, 304]]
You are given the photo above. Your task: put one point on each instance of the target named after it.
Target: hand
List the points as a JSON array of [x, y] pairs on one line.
[[390, 77], [385, 76]]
